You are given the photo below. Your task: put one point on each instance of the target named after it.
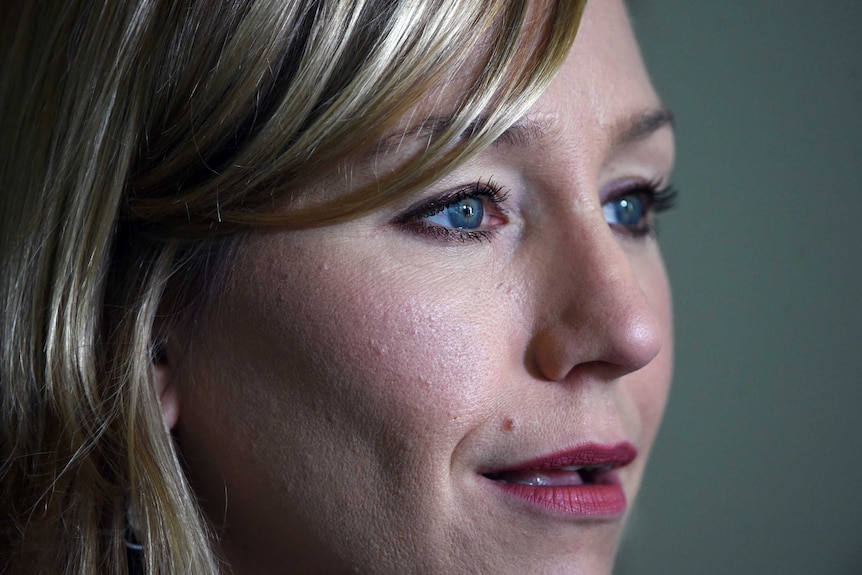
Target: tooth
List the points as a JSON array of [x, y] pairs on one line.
[[540, 481], [572, 467]]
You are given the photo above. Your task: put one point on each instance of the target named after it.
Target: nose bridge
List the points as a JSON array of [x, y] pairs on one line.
[[596, 313]]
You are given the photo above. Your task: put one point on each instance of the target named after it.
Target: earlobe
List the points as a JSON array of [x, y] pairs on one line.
[[162, 369]]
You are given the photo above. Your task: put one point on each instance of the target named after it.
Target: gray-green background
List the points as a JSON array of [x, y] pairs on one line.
[[758, 468]]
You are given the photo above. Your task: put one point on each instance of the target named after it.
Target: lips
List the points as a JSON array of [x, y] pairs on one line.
[[580, 482]]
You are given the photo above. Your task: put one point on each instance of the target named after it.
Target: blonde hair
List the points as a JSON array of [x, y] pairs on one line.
[[141, 138]]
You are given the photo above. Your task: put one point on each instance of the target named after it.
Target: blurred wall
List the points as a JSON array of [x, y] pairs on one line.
[[758, 468]]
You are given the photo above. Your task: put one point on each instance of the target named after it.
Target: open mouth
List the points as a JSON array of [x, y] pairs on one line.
[[582, 482]]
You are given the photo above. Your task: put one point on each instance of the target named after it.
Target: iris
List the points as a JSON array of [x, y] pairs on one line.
[[627, 211], [463, 214]]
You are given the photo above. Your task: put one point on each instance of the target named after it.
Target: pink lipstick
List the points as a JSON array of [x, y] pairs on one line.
[[580, 482]]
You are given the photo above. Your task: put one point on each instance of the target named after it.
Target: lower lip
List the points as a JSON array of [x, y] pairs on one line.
[[596, 501]]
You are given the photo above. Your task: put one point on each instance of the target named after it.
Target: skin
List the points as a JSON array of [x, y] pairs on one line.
[[338, 403]]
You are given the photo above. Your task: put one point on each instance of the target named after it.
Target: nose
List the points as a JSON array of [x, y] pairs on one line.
[[594, 319]]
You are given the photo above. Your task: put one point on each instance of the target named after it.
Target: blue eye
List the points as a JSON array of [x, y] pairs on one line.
[[473, 213], [462, 214], [629, 211], [632, 211]]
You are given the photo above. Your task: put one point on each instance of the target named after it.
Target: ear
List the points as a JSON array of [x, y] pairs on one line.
[[163, 377]]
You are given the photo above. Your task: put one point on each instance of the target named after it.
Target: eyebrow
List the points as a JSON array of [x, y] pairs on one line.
[[641, 126], [528, 131]]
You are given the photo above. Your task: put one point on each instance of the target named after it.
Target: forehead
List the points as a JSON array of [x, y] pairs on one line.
[[602, 87], [603, 82]]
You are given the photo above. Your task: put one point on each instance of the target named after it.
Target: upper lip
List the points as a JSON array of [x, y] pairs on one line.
[[584, 455]]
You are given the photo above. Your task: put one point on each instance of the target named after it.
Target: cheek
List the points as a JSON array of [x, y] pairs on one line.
[[329, 381], [357, 347]]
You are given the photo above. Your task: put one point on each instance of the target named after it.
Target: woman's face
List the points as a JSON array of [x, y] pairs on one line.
[[397, 395]]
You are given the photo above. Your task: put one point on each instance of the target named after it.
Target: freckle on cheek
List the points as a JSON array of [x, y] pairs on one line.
[[509, 424]]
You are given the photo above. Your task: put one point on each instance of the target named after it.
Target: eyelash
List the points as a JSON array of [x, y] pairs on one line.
[[489, 192]]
